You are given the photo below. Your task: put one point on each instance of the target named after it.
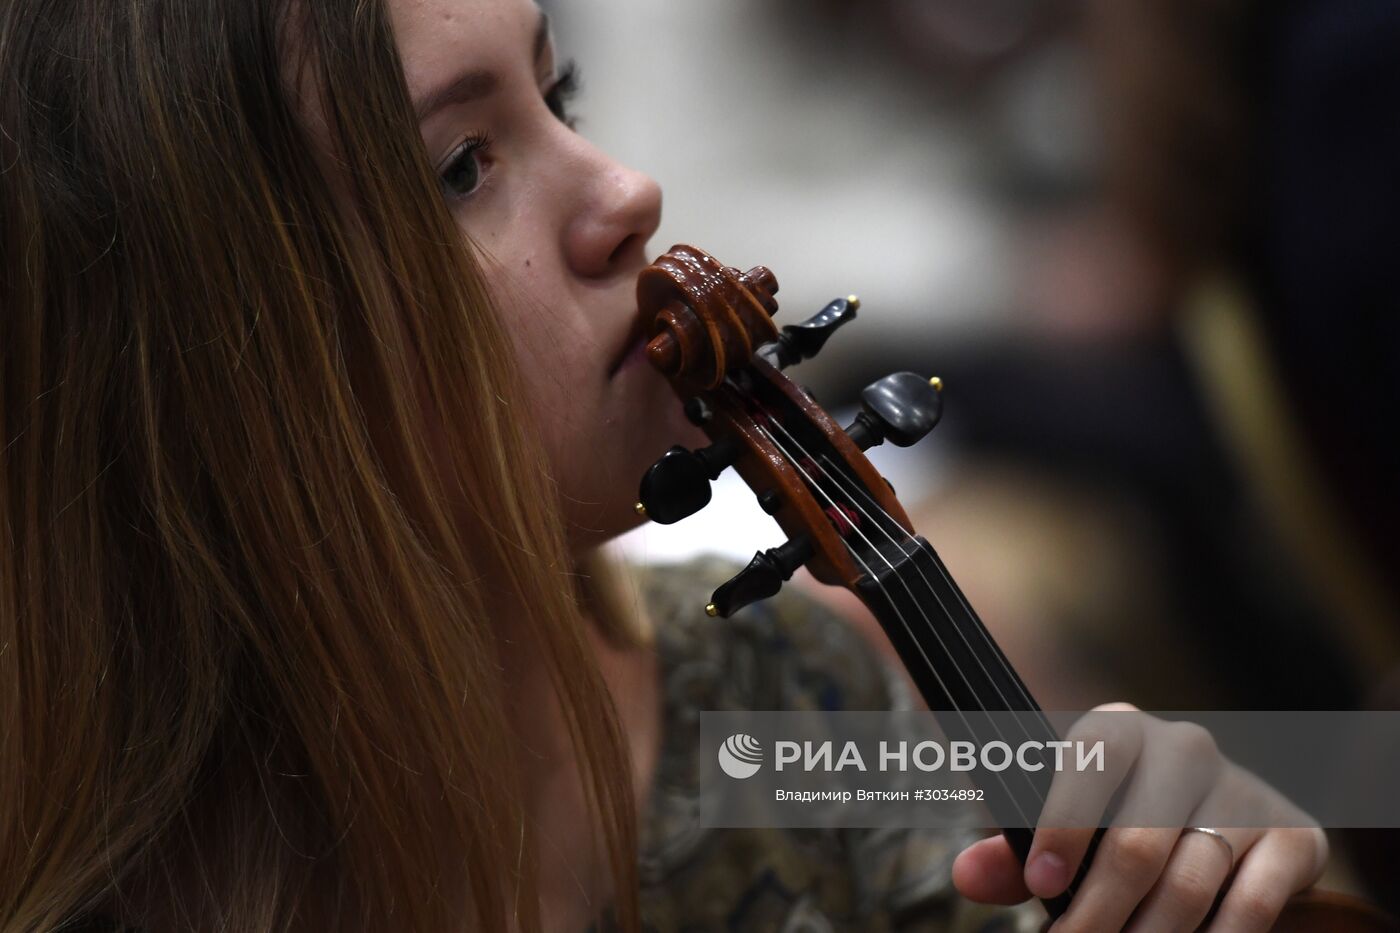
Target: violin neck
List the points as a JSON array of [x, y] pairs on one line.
[[951, 656], [962, 672]]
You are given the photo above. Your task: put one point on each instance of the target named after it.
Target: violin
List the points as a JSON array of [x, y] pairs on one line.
[[713, 338]]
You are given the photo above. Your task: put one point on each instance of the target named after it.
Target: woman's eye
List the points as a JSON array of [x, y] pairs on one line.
[[463, 173], [563, 90]]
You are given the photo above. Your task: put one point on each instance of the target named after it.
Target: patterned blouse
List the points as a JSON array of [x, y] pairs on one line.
[[786, 653]]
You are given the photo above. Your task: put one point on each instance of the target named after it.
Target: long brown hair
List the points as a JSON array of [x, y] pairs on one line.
[[250, 673]]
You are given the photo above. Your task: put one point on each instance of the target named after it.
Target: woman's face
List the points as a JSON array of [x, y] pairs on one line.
[[562, 230]]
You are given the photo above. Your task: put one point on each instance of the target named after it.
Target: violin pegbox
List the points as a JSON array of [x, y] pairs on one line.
[[715, 341]]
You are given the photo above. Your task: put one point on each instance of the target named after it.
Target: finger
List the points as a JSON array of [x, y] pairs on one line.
[[1127, 863], [989, 872], [1282, 863], [1076, 801], [1188, 885], [1179, 768]]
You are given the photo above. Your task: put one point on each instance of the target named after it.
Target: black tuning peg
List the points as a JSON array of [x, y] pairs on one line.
[[762, 578], [678, 485], [900, 408], [799, 342]]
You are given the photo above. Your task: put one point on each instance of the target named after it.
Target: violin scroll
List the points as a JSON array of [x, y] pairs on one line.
[[709, 318], [715, 341]]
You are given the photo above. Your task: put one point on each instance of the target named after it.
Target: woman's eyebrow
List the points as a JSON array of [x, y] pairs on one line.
[[475, 84]]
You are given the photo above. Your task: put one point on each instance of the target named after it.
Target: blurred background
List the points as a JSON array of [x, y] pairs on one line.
[[1150, 247]]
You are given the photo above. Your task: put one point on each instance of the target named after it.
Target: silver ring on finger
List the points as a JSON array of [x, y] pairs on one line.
[[1218, 836]]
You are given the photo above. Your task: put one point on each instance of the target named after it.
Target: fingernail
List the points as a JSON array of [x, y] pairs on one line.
[[1047, 875]]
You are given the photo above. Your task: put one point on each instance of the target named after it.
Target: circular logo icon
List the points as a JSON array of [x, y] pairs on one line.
[[740, 756]]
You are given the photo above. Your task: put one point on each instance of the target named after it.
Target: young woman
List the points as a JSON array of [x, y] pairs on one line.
[[321, 386]]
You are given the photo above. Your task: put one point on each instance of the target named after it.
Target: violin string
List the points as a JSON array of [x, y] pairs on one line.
[[884, 522], [831, 470], [827, 474], [848, 484], [1000, 658], [1073, 888], [838, 479], [893, 605], [815, 485], [932, 627]]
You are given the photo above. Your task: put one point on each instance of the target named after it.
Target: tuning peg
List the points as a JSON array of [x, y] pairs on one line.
[[799, 342], [900, 408], [762, 578], [678, 485]]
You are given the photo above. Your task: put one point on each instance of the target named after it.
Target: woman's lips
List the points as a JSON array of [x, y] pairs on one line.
[[632, 352], [637, 353]]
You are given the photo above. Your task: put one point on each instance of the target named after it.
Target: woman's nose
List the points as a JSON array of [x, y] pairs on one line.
[[608, 234]]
